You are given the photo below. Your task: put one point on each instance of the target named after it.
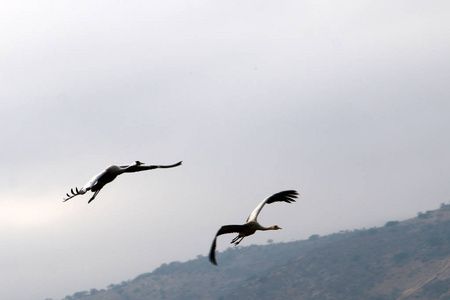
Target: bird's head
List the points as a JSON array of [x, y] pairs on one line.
[[138, 163], [275, 227]]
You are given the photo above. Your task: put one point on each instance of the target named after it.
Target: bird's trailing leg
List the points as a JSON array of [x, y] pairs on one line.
[[237, 240], [93, 197]]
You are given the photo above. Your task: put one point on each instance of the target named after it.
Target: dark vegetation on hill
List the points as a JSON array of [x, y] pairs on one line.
[[401, 260]]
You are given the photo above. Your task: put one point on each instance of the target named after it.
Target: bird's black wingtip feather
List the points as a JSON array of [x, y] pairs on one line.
[[291, 195], [285, 196]]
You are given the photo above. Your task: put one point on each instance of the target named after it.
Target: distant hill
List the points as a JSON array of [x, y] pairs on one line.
[[401, 260]]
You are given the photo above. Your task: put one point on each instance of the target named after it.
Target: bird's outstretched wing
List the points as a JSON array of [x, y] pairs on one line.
[[229, 229], [223, 230], [284, 196], [139, 168]]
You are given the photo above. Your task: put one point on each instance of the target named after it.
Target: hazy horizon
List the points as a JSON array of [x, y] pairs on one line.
[[347, 103]]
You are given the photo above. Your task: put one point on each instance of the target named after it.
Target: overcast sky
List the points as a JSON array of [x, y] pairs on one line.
[[347, 102]]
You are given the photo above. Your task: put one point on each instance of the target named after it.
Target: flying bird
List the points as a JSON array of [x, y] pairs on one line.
[[251, 225], [109, 174]]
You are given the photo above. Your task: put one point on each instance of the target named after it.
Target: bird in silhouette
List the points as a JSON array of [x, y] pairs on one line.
[[109, 174], [251, 225]]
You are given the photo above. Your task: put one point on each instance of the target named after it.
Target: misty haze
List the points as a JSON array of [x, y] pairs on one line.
[[346, 103]]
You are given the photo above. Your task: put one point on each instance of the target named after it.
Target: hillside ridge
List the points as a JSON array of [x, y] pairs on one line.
[[401, 260]]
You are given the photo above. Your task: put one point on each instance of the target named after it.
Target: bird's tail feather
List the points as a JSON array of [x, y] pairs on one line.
[[74, 193]]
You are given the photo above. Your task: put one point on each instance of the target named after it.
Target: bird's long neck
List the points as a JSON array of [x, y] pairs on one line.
[[274, 227]]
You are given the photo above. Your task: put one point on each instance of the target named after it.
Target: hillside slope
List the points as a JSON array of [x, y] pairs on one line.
[[402, 260], [406, 260]]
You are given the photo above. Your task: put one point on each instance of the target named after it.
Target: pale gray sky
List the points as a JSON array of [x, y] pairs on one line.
[[348, 103]]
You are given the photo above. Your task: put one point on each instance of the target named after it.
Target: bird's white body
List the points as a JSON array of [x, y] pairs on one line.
[[88, 186]]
